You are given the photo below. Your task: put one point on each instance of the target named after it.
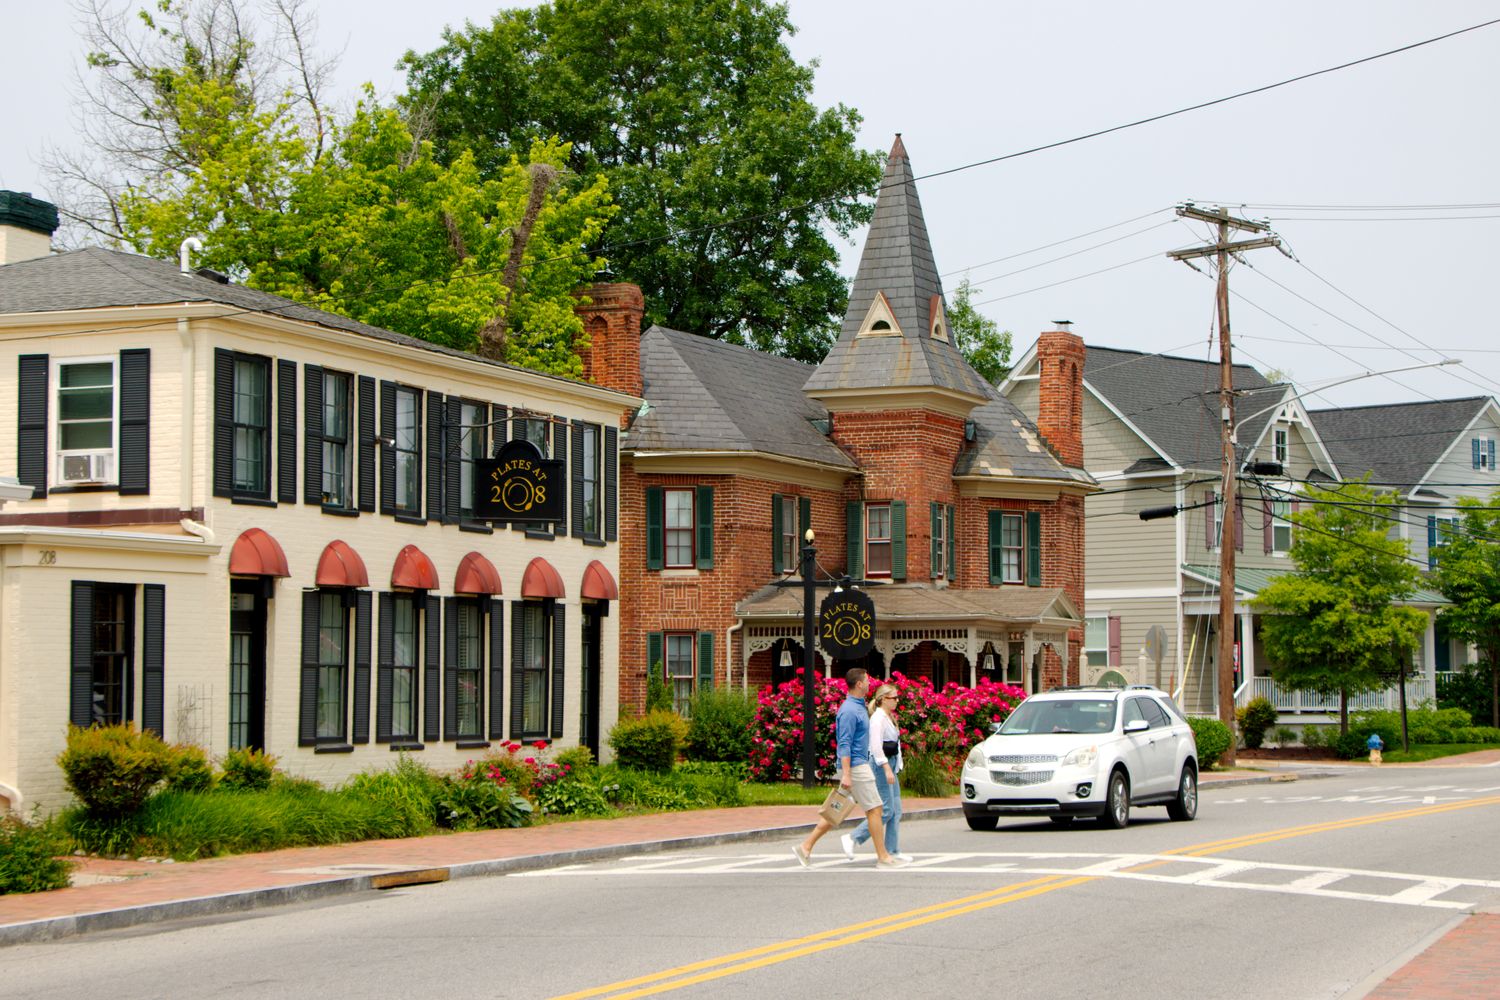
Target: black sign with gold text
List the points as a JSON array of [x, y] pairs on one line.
[[519, 485], [846, 624]]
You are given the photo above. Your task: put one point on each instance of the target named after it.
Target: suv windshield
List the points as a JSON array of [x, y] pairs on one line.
[[1072, 715]]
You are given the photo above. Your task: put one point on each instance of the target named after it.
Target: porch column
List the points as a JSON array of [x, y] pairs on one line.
[[1429, 651], [1026, 663], [1247, 652], [973, 657]]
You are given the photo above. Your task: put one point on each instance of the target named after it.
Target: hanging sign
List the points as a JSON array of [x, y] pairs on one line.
[[846, 624], [519, 485]]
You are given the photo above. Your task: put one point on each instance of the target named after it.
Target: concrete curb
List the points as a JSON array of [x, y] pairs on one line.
[[53, 928]]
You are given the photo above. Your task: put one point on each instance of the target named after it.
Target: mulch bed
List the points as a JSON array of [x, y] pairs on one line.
[[1287, 753]]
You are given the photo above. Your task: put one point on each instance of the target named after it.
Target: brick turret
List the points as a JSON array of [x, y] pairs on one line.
[[1060, 357], [613, 319]]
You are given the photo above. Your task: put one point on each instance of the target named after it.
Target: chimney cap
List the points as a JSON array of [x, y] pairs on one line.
[[20, 209], [1063, 324]]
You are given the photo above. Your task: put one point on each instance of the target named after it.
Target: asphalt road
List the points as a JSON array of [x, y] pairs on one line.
[[1306, 889]]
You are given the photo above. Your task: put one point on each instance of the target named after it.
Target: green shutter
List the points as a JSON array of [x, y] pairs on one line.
[[804, 519], [704, 509], [654, 537], [854, 533], [997, 562], [705, 660], [932, 540], [777, 567], [898, 539], [653, 655], [1033, 548], [952, 548]]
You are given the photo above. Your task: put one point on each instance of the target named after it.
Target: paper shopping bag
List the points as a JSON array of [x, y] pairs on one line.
[[839, 805]]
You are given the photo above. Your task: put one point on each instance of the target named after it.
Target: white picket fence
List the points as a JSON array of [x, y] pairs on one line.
[[1291, 700]]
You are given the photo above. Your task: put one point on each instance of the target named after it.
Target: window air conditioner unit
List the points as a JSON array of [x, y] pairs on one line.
[[87, 467]]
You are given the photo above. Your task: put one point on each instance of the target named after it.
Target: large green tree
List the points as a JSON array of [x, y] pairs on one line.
[[729, 181], [981, 341], [1335, 625], [1468, 574]]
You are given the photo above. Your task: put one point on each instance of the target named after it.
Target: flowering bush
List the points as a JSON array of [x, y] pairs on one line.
[[941, 724]]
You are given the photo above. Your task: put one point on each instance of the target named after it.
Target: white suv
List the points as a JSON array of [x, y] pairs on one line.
[[1084, 752]]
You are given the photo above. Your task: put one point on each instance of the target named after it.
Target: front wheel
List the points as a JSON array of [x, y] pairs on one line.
[[1185, 806], [982, 823], [1117, 805]]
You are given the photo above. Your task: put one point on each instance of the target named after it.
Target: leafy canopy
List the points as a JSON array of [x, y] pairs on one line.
[[729, 181], [981, 341], [1468, 574]]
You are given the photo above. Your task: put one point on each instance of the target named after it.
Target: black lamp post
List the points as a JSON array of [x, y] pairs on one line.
[[809, 658]]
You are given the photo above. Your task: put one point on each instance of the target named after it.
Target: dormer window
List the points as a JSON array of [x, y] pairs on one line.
[[880, 320], [937, 318], [879, 324]]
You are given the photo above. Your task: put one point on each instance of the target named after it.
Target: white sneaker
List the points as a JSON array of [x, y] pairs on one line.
[[801, 856], [907, 858], [892, 862], [847, 843]]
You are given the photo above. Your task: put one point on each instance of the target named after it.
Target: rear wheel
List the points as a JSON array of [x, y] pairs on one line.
[[1185, 806], [982, 822], [1117, 804]]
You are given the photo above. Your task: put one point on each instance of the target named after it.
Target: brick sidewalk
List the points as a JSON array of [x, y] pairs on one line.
[[1463, 964]]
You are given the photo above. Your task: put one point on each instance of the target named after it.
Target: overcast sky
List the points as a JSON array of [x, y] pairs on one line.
[[1387, 286]]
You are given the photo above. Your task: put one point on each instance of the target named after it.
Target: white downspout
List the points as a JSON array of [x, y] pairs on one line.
[[185, 443], [729, 657]]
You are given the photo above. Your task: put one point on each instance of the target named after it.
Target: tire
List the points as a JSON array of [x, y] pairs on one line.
[[1117, 802], [1185, 806], [1062, 820], [982, 823]]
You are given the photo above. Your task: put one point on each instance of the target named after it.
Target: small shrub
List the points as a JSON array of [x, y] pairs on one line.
[[188, 769], [1257, 716], [719, 726], [658, 695], [576, 759], [407, 792], [1212, 737], [1285, 736], [1423, 734], [1479, 734], [249, 770], [925, 776], [1350, 745], [1314, 736], [572, 797], [667, 791], [113, 769], [649, 743], [506, 765], [29, 859], [479, 799]]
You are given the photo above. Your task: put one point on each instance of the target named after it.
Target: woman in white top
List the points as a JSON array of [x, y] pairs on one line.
[[885, 760]]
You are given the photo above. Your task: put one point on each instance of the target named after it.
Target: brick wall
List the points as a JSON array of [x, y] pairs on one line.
[[613, 318], [1060, 394]]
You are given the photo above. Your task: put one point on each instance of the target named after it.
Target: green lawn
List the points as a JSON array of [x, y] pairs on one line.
[[1432, 751], [782, 794]]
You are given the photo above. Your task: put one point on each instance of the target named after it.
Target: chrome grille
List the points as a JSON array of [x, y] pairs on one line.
[[1032, 758], [1020, 778]]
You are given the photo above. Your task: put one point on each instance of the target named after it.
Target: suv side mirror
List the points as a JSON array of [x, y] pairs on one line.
[[995, 726], [1137, 726]]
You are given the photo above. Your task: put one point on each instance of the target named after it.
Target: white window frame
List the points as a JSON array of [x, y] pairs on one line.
[[1484, 453], [682, 683], [671, 529], [790, 558], [55, 415], [1013, 553], [1281, 521], [872, 541], [1090, 650], [1281, 448], [939, 570]]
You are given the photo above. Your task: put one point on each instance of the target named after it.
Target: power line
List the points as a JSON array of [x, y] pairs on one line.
[[1075, 253], [1056, 243], [1275, 206]]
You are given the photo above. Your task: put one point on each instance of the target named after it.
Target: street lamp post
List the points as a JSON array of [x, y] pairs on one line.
[[809, 658]]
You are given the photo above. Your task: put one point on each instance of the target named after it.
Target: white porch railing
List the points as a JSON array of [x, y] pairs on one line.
[[1291, 700]]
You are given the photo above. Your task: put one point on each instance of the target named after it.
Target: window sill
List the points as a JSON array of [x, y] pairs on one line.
[[544, 536], [594, 542], [471, 744], [253, 501], [395, 747], [476, 526], [93, 488], [339, 511], [334, 748], [679, 572], [409, 518]]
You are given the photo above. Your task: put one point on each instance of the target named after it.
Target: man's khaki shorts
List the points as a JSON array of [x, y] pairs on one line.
[[866, 793]]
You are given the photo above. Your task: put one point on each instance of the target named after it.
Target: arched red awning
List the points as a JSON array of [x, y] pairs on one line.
[[541, 580], [414, 570], [476, 575], [256, 553], [341, 566], [599, 583]]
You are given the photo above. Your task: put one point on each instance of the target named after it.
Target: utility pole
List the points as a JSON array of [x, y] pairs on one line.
[[1221, 250]]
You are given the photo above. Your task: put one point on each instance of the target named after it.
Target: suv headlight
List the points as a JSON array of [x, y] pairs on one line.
[[1082, 757], [975, 761]]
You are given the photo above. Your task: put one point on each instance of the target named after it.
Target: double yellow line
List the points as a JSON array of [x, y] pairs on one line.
[[783, 951]]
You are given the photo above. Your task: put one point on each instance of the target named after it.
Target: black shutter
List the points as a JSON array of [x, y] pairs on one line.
[[361, 667], [952, 546], [450, 671], [654, 656], [704, 509], [611, 483], [559, 428], [559, 666], [135, 422], [312, 434], [804, 521], [777, 566], [387, 453], [517, 667], [31, 431], [655, 541], [223, 423], [453, 452], [385, 664], [576, 481], [435, 411], [934, 538], [307, 712], [1033, 548], [286, 431], [705, 660], [81, 668], [497, 668], [432, 650], [500, 432], [367, 435], [997, 555], [153, 658]]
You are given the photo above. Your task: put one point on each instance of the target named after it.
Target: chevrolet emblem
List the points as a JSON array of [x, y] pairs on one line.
[[1018, 767]]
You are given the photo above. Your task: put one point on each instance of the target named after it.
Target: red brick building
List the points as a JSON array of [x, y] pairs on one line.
[[960, 517]]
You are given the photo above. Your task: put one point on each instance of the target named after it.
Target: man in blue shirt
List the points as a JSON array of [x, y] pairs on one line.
[[856, 777]]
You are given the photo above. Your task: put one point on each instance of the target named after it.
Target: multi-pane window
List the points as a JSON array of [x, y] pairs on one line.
[[940, 517], [589, 460], [251, 417], [878, 539], [338, 456], [1281, 526], [241, 650], [1010, 548], [113, 648], [333, 664], [1443, 531], [405, 651], [470, 651], [533, 673], [1484, 454], [1096, 640], [679, 528], [408, 451], [470, 449], [788, 539], [85, 416], [1279, 447], [679, 668]]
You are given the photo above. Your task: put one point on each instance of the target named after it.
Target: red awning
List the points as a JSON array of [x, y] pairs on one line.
[[341, 566], [599, 583], [414, 570], [256, 553], [541, 580], [476, 575]]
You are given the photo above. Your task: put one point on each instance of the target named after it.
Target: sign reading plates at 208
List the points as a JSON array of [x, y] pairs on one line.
[[846, 624], [519, 485]]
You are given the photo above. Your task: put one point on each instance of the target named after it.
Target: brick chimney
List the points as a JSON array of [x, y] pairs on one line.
[[613, 320], [1060, 355], [26, 227]]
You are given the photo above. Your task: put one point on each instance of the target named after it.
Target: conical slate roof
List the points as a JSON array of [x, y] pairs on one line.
[[897, 263]]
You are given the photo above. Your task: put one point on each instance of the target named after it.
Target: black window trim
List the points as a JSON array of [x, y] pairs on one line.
[[238, 495]]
